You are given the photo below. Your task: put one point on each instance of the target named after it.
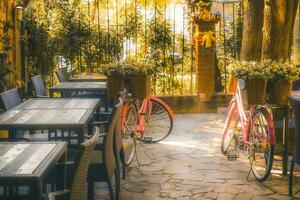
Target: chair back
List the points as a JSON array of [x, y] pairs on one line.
[[38, 86], [108, 152], [10, 99], [78, 190], [60, 75], [295, 103]]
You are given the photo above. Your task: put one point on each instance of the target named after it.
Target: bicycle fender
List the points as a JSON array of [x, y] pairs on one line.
[[270, 122], [164, 104]]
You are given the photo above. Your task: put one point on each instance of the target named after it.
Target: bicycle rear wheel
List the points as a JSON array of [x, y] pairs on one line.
[[158, 121], [261, 149], [131, 120], [230, 129]]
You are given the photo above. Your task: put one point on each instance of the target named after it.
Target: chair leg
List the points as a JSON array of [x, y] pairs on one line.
[[111, 191], [291, 178], [118, 183], [122, 156], [90, 190]]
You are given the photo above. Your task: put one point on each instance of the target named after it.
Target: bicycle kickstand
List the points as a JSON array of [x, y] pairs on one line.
[[135, 154], [251, 166]]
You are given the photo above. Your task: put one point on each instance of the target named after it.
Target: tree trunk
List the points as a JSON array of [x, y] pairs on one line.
[[278, 28], [252, 30]]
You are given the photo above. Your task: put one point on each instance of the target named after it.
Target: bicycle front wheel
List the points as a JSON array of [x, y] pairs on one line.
[[261, 149], [158, 121], [231, 129]]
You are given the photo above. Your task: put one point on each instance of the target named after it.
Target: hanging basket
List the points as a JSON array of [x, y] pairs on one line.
[[115, 83], [278, 92], [140, 86], [255, 90]]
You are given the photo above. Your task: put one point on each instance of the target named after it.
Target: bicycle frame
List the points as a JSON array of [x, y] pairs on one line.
[[237, 103]]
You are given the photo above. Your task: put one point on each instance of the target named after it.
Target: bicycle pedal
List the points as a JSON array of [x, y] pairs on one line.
[[232, 156], [147, 139]]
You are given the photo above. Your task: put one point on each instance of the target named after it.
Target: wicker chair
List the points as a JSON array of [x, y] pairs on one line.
[[10, 99], [296, 155], [105, 163], [60, 75], [78, 179], [118, 135], [39, 87]]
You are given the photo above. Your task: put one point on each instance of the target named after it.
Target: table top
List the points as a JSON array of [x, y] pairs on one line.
[[296, 94], [79, 86], [29, 159], [88, 78], [49, 113], [59, 103]]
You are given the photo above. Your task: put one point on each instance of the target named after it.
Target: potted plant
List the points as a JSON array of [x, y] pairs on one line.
[[252, 79], [138, 75], [115, 78], [282, 75]]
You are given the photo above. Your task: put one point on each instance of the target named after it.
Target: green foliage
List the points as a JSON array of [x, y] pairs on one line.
[[5, 65], [159, 34]]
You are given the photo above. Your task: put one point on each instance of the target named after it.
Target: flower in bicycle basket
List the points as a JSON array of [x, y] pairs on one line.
[[248, 70], [283, 70], [137, 68], [115, 68]]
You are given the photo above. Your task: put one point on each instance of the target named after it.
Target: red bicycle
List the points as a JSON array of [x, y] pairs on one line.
[[251, 131], [149, 120]]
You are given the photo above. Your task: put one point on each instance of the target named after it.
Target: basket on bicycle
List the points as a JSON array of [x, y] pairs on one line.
[[255, 90], [278, 92], [140, 86], [115, 83]]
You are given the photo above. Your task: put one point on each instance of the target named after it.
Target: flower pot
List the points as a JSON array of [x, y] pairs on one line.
[[115, 83], [278, 92], [255, 90], [140, 86]]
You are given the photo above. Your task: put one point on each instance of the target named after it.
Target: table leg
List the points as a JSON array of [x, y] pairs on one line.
[[36, 191], [285, 141], [61, 173]]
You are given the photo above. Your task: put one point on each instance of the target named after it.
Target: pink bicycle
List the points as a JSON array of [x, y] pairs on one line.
[[149, 120], [252, 131]]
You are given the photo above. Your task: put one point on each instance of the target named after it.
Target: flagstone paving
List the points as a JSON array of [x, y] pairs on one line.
[[189, 165]]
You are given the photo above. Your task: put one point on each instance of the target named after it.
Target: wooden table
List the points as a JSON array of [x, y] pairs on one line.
[[82, 90], [65, 119], [25, 166]]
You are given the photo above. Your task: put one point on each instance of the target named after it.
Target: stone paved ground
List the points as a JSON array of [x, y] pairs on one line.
[[189, 165]]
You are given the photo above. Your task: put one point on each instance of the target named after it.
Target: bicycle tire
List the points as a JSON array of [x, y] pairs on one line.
[[266, 172], [129, 144], [226, 138], [154, 128]]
